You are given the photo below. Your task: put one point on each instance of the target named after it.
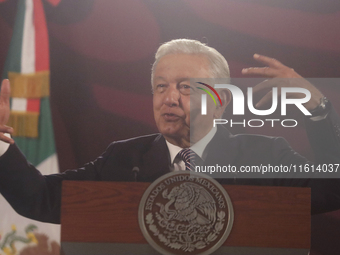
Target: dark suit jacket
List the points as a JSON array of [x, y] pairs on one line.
[[38, 197]]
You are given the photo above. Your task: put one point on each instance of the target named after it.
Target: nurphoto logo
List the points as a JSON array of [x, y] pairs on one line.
[[239, 104]]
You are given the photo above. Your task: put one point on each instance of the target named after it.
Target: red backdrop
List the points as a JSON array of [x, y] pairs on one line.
[[102, 51]]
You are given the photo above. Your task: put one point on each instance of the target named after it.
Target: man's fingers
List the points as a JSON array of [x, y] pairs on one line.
[[5, 91], [261, 71], [271, 62], [6, 129], [4, 134], [272, 68], [6, 139]]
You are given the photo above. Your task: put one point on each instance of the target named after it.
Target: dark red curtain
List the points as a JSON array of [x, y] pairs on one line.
[[102, 51]]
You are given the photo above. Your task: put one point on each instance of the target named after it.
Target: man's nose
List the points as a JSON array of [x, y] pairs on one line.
[[172, 96]]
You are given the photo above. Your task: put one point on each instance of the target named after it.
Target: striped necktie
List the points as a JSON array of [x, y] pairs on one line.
[[188, 156]]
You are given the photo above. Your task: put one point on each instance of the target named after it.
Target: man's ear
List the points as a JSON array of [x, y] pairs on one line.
[[225, 96]]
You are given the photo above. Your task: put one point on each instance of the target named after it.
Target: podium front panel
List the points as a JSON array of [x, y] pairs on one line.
[[103, 216]]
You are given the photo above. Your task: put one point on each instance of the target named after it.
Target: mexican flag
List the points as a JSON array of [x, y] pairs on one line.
[[27, 68]]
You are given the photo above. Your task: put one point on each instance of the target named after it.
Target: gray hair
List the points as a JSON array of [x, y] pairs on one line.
[[219, 67]]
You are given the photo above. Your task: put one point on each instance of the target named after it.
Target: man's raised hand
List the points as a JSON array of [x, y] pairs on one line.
[[5, 111], [282, 76]]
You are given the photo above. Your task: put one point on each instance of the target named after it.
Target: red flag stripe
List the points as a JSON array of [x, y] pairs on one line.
[[41, 38]]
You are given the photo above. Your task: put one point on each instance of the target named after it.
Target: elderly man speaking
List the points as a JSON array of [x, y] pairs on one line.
[[184, 132]]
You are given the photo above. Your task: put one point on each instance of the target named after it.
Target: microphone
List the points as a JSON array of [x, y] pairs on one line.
[[136, 160], [135, 171]]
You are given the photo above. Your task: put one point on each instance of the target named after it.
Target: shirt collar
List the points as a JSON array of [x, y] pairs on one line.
[[198, 147]]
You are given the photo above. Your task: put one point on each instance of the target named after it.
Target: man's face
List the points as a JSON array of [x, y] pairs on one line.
[[171, 99]]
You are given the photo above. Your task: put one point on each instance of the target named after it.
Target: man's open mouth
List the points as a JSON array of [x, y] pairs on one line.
[[170, 116]]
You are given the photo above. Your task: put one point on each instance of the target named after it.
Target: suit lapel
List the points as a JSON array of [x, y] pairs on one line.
[[156, 161], [222, 149]]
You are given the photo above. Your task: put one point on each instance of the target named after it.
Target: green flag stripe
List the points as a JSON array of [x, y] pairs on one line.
[[13, 60], [38, 149]]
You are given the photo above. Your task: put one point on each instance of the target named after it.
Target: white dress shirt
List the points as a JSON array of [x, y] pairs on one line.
[[4, 146]]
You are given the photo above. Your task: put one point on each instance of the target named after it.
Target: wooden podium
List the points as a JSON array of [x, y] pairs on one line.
[[102, 218]]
